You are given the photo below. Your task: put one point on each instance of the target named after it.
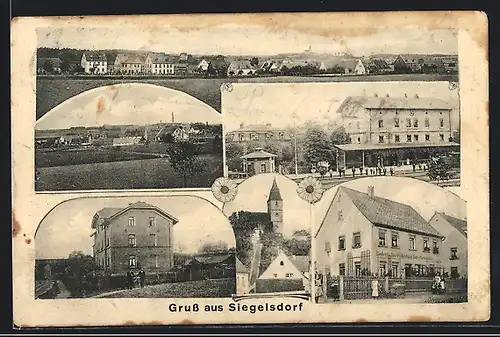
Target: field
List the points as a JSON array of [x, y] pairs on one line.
[[52, 91], [130, 174], [192, 289]]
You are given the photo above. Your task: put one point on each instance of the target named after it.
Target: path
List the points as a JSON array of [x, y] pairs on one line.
[[255, 264]]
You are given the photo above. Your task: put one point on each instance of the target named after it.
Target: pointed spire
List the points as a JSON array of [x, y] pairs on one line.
[[275, 194]]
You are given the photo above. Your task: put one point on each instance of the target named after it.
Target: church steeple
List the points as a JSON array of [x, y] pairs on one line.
[[275, 207], [275, 194]]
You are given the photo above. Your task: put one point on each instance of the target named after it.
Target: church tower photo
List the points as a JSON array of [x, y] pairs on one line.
[[275, 208]]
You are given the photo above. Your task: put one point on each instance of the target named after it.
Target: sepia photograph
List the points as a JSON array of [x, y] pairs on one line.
[[343, 131], [391, 240], [273, 237], [125, 247]]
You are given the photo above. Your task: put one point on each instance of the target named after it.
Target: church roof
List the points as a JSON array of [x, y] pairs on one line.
[[274, 194]]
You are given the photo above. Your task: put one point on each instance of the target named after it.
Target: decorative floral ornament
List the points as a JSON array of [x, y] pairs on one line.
[[452, 85], [310, 189], [227, 87], [224, 189]]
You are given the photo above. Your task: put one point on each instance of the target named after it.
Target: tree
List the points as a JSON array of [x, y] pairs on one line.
[[76, 275], [183, 158], [233, 153], [47, 66], [317, 145], [339, 136], [214, 247], [243, 228], [217, 145], [254, 61], [300, 243], [64, 66], [272, 243]]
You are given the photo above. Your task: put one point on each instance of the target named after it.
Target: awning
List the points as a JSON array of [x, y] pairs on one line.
[[392, 146]]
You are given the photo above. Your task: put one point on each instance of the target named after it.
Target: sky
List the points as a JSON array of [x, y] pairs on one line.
[[282, 104], [232, 39], [254, 191], [425, 198], [128, 103], [68, 226]]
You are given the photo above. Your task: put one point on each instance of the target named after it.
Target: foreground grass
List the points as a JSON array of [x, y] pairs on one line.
[[191, 289], [141, 174]]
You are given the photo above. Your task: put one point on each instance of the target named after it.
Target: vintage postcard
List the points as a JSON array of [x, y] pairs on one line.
[[250, 168]]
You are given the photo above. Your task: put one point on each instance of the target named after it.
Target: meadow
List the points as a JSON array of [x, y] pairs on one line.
[[130, 174], [216, 288], [53, 90]]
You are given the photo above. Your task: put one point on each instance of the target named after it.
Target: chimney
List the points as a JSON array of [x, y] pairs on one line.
[[242, 125], [375, 95], [371, 191], [386, 95], [416, 96], [406, 95], [268, 125]]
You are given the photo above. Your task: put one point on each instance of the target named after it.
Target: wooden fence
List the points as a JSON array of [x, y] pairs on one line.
[[351, 288]]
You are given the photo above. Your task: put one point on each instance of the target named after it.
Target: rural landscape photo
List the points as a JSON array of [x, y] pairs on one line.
[[343, 131], [128, 136], [273, 237], [127, 247], [391, 240]]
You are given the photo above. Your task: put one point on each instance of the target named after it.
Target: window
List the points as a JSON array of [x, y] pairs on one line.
[[131, 240], [415, 137], [396, 122], [380, 123], [282, 136], [426, 122], [395, 269], [328, 248], [381, 238], [289, 275], [275, 275], [408, 138], [426, 245], [411, 244], [282, 263], [263, 168], [341, 242], [453, 252], [394, 240], [132, 261], [108, 243], [156, 260], [342, 269], [441, 122], [415, 123], [427, 137], [356, 240], [242, 137], [131, 221], [408, 122], [152, 238], [441, 137], [359, 140], [380, 139], [341, 217], [382, 268], [435, 247], [454, 272], [357, 268], [396, 138]]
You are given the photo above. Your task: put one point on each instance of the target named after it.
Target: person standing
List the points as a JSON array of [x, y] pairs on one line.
[[375, 287], [130, 279], [142, 277], [353, 171], [391, 170], [385, 171]]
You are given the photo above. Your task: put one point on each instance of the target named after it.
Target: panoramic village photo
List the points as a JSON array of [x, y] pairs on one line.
[[343, 131], [390, 240], [130, 247]]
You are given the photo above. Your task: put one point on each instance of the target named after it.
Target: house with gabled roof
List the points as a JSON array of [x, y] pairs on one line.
[[242, 278], [285, 273], [363, 234], [258, 161], [454, 244], [139, 235], [159, 64], [129, 63], [241, 68], [94, 62]]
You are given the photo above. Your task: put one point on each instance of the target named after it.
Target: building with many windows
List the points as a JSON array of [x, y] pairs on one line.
[[159, 64], [94, 62], [394, 130], [257, 133], [362, 234], [139, 235]]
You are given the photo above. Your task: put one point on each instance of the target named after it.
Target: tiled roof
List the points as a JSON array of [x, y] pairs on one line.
[[351, 103], [257, 128], [108, 212], [212, 259], [301, 262], [459, 224], [385, 146], [388, 213], [258, 154], [274, 194], [160, 58], [129, 59], [242, 64], [240, 267], [95, 56]]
